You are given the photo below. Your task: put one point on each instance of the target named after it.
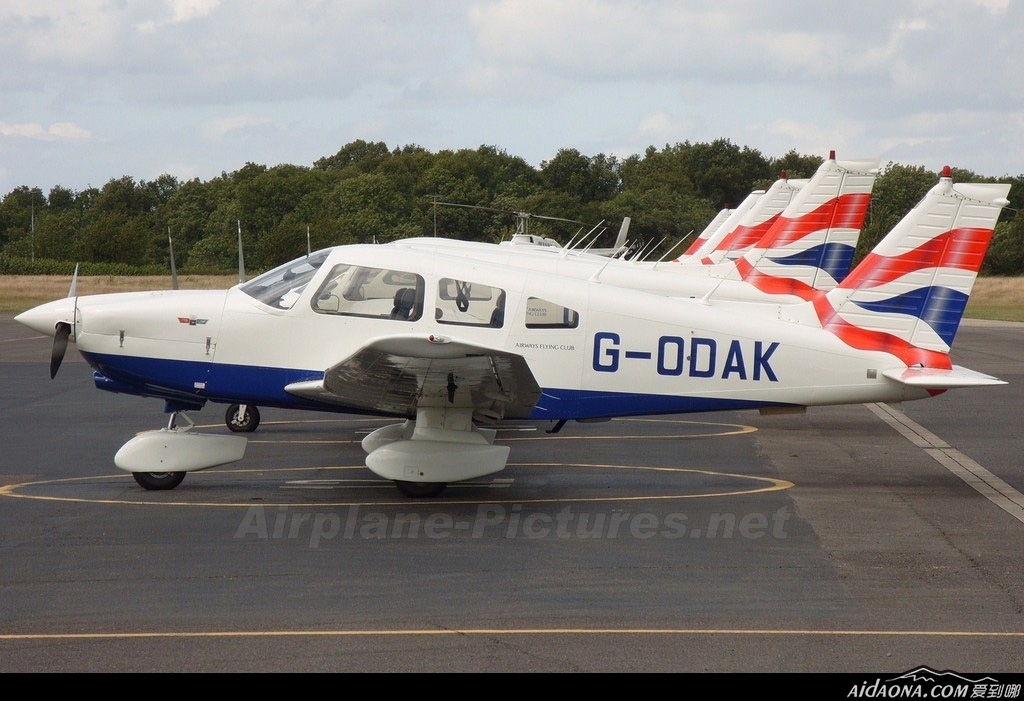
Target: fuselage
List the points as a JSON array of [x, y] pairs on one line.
[[595, 350]]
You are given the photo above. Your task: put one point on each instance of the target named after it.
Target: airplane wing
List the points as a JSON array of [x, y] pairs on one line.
[[397, 374], [936, 378]]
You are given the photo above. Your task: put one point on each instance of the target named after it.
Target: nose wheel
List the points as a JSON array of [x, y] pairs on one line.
[[242, 418]]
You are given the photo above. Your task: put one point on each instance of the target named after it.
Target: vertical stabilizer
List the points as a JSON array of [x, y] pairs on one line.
[[811, 246], [740, 233], [715, 224], [908, 296]]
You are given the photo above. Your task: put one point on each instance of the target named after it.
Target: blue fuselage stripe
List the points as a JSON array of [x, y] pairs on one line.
[[196, 383]]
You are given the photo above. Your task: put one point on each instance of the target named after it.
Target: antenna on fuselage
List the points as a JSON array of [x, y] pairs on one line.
[[597, 273], [674, 247], [643, 251], [309, 250], [241, 258], [583, 238], [174, 271], [73, 290]]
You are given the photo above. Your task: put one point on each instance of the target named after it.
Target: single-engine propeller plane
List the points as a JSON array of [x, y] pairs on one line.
[[450, 346]]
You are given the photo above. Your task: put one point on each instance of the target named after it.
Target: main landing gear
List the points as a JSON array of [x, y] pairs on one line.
[[420, 490], [158, 481], [242, 418], [162, 481]]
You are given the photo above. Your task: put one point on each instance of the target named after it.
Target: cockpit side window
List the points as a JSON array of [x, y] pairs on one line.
[[282, 286], [464, 303], [355, 290]]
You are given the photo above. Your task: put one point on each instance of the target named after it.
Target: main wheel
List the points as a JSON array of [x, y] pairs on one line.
[[158, 480], [242, 418], [420, 490]]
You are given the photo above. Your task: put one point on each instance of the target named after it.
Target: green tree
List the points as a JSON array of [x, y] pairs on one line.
[[1006, 252], [794, 165], [356, 157], [661, 217], [368, 209], [585, 179], [17, 212]]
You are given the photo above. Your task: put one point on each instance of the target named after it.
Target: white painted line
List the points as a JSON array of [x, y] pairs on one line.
[[984, 482]]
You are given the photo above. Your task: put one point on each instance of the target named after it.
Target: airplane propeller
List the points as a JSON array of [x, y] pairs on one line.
[[63, 331], [60, 346]]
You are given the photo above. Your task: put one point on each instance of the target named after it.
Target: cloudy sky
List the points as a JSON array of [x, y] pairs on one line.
[[93, 90]]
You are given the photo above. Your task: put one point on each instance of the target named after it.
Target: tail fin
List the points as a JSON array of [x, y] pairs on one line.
[[811, 247], [739, 233], [713, 226], [908, 296]]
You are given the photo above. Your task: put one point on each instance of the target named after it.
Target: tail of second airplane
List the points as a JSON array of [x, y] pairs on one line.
[[908, 296], [812, 245], [746, 225]]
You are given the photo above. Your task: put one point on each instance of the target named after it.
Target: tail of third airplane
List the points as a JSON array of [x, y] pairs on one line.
[[908, 296]]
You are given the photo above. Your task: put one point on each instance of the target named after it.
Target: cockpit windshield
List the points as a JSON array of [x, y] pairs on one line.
[[283, 285]]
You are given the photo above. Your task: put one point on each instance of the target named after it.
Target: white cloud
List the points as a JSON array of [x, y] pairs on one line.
[[59, 131], [185, 10], [660, 128], [218, 128]]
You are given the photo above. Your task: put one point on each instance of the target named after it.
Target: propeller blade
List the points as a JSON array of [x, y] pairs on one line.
[[60, 346]]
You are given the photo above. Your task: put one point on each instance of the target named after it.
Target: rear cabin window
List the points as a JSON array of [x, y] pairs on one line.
[[544, 314], [378, 293], [464, 303]]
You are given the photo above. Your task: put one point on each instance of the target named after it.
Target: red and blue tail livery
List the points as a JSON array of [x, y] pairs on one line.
[[909, 294]]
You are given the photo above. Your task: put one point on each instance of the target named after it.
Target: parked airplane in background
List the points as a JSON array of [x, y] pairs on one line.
[[620, 247], [746, 225], [809, 245], [450, 346], [717, 223], [522, 236]]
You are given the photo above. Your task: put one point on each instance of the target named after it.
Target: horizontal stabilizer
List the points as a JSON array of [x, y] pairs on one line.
[[936, 378]]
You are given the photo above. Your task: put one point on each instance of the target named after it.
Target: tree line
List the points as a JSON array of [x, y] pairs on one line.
[[367, 192]]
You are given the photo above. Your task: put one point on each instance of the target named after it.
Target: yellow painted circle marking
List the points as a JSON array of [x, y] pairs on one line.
[[759, 484]]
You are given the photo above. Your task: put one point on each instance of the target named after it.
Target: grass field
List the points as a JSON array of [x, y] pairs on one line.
[[1000, 299]]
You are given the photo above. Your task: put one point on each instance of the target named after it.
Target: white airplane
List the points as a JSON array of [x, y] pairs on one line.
[[805, 232], [451, 345]]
